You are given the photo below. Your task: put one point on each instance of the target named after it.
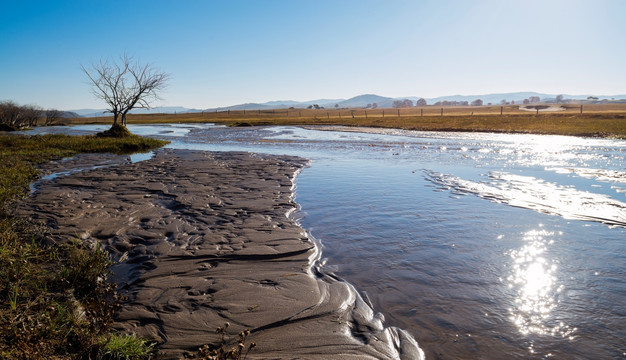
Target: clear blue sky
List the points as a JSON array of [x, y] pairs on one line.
[[222, 53]]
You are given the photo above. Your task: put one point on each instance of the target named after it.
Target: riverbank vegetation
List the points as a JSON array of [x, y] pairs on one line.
[[55, 300], [14, 117]]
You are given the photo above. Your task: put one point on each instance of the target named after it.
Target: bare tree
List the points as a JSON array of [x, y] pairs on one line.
[[11, 114], [125, 85], [52, 116], [477, 102], [420, 102], [31, 114]]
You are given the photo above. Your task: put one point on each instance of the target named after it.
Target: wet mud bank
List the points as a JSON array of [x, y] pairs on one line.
[[204, 238]]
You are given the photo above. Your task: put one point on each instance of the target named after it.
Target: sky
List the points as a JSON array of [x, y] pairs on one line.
[[221, 53]]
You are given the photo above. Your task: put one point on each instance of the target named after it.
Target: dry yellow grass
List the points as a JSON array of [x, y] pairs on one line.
[[595, 120]]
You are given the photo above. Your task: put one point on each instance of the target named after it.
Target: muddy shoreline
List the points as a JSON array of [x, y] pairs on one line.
[[204, 238]]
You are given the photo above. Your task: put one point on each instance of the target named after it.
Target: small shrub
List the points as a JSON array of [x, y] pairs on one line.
[[225, 351], [116, 131]]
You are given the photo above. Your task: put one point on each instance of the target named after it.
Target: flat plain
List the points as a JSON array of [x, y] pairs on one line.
[[599, 120]]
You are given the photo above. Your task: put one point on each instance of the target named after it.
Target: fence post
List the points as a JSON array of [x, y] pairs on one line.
[[398, 112], [228, 111], [441, 111], [383, 113], [421, 112], [366, 114], [501, 108], [328, 115], [537, 107], [581, 109], [352, 113]]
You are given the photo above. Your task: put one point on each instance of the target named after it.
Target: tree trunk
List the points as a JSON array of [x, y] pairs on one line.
[[123, 120]]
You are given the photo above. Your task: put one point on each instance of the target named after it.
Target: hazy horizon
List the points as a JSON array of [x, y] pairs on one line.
[[225, 53], [326, 101]]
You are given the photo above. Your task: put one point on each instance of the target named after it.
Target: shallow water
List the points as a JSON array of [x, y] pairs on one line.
[[480, 245]]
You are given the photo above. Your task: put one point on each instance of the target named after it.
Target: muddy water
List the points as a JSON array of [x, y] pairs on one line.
[[480, 245]]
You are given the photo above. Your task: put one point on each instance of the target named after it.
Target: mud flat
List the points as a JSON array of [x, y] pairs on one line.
[[205, 238]]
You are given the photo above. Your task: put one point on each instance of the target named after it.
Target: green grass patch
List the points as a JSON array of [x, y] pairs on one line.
[[127, 347], [56, 301]]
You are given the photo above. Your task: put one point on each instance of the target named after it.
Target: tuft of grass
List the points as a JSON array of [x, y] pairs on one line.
[[127, 347], [55, 301]]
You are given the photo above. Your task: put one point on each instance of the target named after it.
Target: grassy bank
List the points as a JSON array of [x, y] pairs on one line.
[[604, 120], [55, 300]]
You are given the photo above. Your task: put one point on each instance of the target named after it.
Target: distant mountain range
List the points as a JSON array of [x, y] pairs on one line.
[[387, 102], [360, 101]]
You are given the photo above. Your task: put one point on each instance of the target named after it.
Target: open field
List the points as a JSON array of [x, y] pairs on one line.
[[606, 120]]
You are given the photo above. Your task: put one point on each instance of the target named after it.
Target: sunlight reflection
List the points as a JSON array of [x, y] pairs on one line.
[[539, 195], [552, 151], [533, 277]]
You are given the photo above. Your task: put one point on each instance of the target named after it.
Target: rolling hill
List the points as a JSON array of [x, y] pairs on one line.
[[360, 101]]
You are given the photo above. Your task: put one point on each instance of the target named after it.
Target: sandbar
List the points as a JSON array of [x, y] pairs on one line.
[[204, 238]]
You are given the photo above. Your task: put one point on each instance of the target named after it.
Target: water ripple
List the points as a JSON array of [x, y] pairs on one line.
[[538, 195]]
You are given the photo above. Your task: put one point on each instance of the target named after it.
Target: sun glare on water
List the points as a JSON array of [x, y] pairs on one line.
[[534, 279]]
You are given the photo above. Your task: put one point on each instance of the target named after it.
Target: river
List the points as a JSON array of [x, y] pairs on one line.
[[480, 245]]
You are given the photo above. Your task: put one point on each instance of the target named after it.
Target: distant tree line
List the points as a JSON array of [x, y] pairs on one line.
[[451, 103], [422, 102], [402, 103], [531, 100], [15, 117], [407, 103]]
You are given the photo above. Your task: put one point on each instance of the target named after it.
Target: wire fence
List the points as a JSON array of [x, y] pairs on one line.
[[384, 113], [393, 112]]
